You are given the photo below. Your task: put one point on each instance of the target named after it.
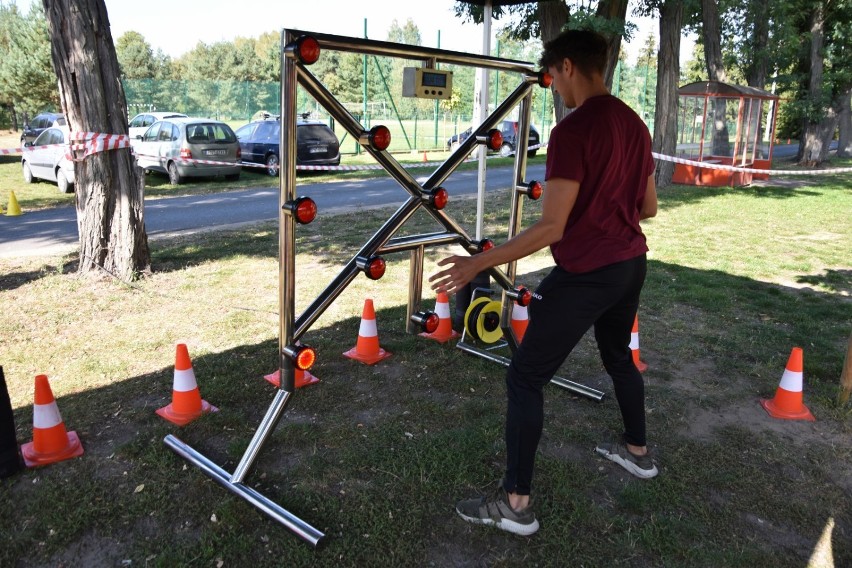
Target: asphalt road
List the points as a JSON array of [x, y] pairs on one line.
[[53, 231]]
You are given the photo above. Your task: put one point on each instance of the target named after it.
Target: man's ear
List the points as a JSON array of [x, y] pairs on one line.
[[567, 66]]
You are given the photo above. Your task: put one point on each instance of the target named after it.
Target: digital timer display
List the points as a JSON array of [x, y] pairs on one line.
[[434, 80]]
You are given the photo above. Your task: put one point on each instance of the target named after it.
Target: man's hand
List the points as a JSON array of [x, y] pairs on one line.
[[462, 269]]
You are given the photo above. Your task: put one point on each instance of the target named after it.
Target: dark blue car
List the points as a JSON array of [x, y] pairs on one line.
[[316, 144]]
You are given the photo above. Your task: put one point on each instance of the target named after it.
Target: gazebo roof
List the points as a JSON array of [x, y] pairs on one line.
[[718, 89]]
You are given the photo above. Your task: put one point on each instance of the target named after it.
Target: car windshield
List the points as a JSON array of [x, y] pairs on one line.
[[317, 132], [209, 132], [61, 121]]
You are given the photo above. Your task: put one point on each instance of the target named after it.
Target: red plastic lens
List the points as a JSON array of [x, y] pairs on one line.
[[376, 268], [524, 297], [380, 137], [545, 79], [306, 210], [486, 244], [431, 323], [305, 358], [307, 49], [440, 197], [495, 139], [535, 190]]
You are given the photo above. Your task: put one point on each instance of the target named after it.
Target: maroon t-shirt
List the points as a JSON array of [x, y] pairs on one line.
[[606, 147]]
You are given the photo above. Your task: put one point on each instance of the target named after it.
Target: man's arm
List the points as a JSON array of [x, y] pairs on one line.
[[649, 203], [559, 198]]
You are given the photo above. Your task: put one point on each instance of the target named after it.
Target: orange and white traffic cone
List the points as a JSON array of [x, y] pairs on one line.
[[302, 379], [51, 442], [425, 157], [634, 346], [367, 348], [445, 331], [520, 321], [186, 404], [787, 403]]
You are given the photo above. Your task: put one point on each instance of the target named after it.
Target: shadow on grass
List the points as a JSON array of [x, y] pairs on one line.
[[63, 265], [375, 456]]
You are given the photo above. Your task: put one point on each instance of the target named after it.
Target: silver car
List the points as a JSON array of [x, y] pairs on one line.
[[46, 158], [140, 123], [180, 147]]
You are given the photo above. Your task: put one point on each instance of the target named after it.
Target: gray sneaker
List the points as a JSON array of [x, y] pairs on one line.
[[640, 466], [496, 511]]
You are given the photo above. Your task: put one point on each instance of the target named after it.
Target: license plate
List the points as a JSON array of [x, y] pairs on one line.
[[215, 152], [318, 150]]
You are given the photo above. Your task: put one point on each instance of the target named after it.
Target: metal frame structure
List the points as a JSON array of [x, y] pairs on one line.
[[291, 328]]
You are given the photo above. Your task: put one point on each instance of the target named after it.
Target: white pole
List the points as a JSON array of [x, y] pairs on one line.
[[480, 111]]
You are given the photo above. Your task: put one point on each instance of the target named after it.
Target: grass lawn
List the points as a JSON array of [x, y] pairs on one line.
[[377, 456]]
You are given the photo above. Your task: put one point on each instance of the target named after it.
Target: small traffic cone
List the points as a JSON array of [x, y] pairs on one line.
[[787, 403], [634, 346], [425, 157], [14, 208], [186, 404], [520, 321], [302, 379], [445, 331], [367, 348], [51, 442], [10, 455]]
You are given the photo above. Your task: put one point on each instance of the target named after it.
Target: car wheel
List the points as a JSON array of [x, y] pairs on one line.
[[272, 164], [62, 183], [506, 150], [174, 175], [531, 153], [28, 173]]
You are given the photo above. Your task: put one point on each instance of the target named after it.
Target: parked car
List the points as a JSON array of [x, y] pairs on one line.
[[316, 144], [168, 143], [46, 159], [39, 124], [509, 129], [142, 121]]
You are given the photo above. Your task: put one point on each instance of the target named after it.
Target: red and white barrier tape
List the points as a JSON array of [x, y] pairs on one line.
[[94, 142], [711, 166]]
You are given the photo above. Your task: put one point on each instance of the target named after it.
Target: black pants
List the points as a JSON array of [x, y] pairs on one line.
[[563, 308]]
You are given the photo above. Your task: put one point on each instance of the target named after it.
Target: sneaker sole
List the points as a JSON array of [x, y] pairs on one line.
[[628, 465], [504, 524]]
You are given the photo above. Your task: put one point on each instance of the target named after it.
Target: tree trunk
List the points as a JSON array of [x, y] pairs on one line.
[[612, 10], [758, 69], [811, 150], [846, 376], [552, 18], [716, 72], [109, 187], [668, 65], [844, 144]]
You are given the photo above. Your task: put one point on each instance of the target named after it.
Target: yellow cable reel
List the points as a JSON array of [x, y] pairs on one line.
[[482, 320]]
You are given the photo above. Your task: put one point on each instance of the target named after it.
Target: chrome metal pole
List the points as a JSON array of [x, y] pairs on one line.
[[415, 287], [264, 430], [300, 528]]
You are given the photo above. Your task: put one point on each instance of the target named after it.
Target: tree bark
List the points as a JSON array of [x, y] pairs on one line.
[[844, 144], [846, 376], [552, 18], [758, 68], [109, 187], [612, 10], [716, 72], [668, 74], [811, 151]]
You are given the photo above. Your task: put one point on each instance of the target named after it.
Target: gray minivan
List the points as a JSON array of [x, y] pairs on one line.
[[181, 148]]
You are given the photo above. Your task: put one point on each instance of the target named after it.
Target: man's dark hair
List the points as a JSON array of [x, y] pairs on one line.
[[586, 49]]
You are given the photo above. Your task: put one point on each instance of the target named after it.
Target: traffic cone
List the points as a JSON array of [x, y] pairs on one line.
[[14, 208], [51, 442], [520, 321], [367, 348], [787, 403], [10, 455], [186, 404], [445, 331], [634, 346], [302, 379], [425, 157]]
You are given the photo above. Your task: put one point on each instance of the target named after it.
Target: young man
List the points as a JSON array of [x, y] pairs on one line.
[[600, 184]]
